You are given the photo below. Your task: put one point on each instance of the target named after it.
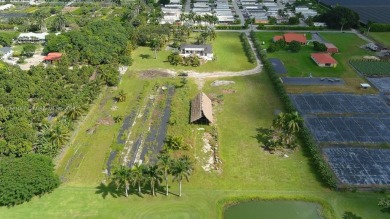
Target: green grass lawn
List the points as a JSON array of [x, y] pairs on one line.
[[381, 37], [247, 170], [226, 47], [301, 65]]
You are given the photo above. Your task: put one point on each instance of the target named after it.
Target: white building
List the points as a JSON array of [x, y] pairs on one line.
[[305, 11], [32, 37], [6, 7], [204, 51]]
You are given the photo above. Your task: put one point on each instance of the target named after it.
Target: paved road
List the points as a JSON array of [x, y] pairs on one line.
[[187, 7], [238, 12]]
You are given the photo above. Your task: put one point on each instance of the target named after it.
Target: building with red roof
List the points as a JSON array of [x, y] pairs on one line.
[[324, 59], [289, 37], [52, 56], [330, 48]]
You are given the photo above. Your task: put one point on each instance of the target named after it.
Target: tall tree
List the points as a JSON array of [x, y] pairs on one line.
[[138, 175], [74, 111], [153, 173], [156, 43], [343, 21], [165, 163], [122, 178], [181, 169], [59, 22]]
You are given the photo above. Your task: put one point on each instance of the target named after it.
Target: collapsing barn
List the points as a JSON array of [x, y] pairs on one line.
[[201, 109]]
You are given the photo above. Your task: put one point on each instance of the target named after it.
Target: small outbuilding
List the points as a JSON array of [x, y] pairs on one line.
[[330, 48], [52, 56], [201, 109], [324, 59]]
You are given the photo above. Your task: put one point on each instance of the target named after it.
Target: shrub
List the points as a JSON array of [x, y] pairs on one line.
[[319, 46], [26, 177], [294, 46], [247, 48], [29, 50]]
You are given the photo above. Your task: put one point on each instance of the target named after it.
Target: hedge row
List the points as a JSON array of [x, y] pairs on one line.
[[377, 27], [263, 27], [6, 27], [228, 27], [248, 49], [323, 169]]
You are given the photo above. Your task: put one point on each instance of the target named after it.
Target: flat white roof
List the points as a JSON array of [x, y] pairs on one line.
[[40, 36]]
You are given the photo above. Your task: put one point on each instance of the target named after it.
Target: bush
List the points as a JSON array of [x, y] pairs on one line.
[[230, 27], [376, 27], [26, 177], [304, 134], [294, 46], [277, 27], [29, 50], [319, 46], [247, 48]]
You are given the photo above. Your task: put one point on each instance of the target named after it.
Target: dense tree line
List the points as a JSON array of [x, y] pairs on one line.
[[340, 18], [26, 177], [100, 42], [37, 107]]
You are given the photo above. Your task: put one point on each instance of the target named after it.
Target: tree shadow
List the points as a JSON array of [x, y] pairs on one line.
[[145, 56], [385, 210], [109, 189], [262, 136], [350, 215]]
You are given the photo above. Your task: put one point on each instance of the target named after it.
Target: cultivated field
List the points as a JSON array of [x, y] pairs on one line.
[[372, 68], [247, 170]]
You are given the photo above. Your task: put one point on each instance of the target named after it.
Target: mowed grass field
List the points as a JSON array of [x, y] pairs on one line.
[[301, 65], [381, 37], [247, 170], [227, 49]]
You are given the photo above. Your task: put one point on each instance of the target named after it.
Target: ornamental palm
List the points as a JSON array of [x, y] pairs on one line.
[[122, 96], [165, 163], [153, 173], [181, 168], [74, 111], [122, 178], [138, 175]]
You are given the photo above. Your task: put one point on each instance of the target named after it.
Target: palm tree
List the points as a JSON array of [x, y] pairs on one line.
[[153, 174], [122, 178], [122, 96], [181, 168], [74, 111], [293, 121], [138, 175], [165, 162], [59, 22], [58, 135]]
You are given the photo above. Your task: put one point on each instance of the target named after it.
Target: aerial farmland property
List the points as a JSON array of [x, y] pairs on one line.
[[192, 109]]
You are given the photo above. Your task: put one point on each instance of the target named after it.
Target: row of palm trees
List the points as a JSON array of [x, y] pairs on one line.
[[153, 174], [194, 18]]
